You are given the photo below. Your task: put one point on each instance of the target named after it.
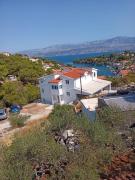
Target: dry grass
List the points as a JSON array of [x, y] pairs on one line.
[[34, 108], [8, 138]]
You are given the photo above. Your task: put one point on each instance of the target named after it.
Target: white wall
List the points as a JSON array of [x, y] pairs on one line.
[[46, 96], [94, 73], [68, 88], [56, 92], [91, 115], [86, 79]]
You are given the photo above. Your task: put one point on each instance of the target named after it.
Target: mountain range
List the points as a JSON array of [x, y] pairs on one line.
[[99, 46]]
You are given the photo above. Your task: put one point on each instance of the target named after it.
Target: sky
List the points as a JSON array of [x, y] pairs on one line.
[[30, 24]]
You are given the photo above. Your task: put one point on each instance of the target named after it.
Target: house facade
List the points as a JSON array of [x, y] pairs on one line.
[[65, 87], [6, 53]]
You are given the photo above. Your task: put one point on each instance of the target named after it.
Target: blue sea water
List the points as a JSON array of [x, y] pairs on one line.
[[102, 69]]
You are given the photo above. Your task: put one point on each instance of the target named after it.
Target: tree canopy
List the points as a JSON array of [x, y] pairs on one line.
[[25, 89], [17, 93], [25, 70]]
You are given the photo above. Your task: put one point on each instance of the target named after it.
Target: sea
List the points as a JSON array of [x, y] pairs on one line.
[[103, 70]]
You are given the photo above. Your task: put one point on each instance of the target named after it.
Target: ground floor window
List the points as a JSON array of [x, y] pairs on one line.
[[68, 93], [42, 90], [56, 99]]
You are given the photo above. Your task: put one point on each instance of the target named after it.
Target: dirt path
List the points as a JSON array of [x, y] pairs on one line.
[[36, 111]]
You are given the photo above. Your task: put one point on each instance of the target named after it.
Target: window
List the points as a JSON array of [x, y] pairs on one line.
[[54, 87], [41, 80], [67, 81], [68, 93], [94, 74], [42, 90], [60, 86]]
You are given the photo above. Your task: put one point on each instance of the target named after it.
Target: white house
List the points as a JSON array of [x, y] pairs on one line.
[[66, 86], [34, 59], [6, 53]]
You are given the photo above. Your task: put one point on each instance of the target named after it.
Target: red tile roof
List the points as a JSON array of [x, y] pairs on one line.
[[102, 77], [75, 72], [70, 72], [124, 72], [56, 81], [56, 70]]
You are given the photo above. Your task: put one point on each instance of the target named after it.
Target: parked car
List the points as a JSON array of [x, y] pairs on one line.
[[3, 114], [15, 108]]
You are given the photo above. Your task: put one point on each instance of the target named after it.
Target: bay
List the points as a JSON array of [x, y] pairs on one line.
[[103, 70]]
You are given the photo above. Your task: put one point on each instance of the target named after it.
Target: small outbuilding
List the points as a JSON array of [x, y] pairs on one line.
[[89, 107]]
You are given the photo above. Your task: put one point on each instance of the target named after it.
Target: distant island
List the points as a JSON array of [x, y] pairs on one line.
[[109, 45], [117, 60], [121, 64]]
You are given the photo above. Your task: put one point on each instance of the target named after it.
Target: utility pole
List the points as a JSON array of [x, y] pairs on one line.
[[81, 85]]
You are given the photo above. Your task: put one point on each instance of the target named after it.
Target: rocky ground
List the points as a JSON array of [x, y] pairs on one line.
[[121, 168]]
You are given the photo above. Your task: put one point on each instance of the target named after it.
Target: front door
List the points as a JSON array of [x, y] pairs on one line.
[[56, 99]]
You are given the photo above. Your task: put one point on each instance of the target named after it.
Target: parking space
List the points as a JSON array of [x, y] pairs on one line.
[[36, 111]]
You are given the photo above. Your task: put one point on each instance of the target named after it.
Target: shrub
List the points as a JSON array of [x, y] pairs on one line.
[[16, 161], [17, 93], [39, 144], [17, 120]]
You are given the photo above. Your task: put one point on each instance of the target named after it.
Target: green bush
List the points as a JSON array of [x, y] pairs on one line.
[[17, 120], [16, 161], [17, 93]]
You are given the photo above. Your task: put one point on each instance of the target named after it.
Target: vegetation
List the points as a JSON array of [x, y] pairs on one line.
[[25, 70], [25, 89], [53, 67], [99, 141], [119, 81], [108, 59], [116, 62], [17, 120], [17, 93]]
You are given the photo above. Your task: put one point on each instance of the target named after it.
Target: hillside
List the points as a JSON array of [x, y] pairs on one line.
[[23, 88], [113, 44], [91, 151]]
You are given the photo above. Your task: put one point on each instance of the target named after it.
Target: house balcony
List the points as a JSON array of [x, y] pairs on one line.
[[57, 91]]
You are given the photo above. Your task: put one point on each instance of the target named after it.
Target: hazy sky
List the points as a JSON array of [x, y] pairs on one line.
[[28, 24]]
